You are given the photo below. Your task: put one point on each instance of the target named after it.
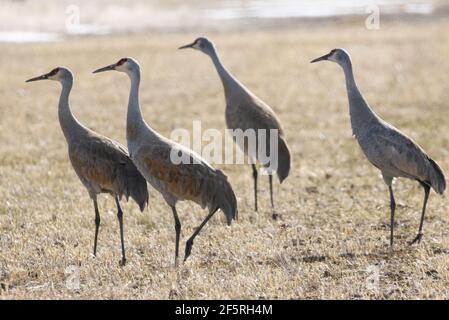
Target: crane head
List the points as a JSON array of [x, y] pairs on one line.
[[202, 44], [123, 65], [338, 55], [56, 74]]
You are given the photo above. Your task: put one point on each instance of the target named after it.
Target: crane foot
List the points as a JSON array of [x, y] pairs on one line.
[[417, 239]]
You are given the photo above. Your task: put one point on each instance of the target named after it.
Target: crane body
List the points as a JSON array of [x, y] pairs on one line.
[[103, 165]]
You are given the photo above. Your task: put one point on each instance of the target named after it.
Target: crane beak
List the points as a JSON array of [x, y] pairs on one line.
[[42, 77], [325, 57], [187, 46], [108, 68]]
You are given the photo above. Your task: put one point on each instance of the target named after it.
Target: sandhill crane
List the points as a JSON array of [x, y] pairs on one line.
[[102, 165], [156, 158], [246, 111], [388, 149]]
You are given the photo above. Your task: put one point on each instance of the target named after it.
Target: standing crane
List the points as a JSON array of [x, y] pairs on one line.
[[102, 165], [156, 157], [245, 111], [388, 149]]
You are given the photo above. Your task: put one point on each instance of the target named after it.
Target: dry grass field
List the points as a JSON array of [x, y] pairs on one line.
[[328, 236]]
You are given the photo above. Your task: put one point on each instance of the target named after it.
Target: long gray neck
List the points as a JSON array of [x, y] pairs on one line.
[[69, 124], [135, 123], [230, 84], [362, 117]]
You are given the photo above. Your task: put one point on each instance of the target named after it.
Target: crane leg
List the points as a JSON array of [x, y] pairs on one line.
[[189, 242], [120, 221], [97, 224], [255, 185], [178, 233], [392, 208], [270, 179], [426, 197]]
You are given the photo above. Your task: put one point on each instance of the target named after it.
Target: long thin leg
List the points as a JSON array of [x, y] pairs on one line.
[[270, 179], [97, 224], [120, 221], [393, 208], [178, 233], [426, 197], [255, 185], [189, 242]]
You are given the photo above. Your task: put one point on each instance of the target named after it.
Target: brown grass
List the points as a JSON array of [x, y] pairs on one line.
[[333, 211]]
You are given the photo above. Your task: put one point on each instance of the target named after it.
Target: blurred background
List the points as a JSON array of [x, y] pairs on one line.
[[47, 20]]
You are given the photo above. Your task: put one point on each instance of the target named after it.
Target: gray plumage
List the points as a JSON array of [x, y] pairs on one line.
[[154, 156], [102, 165], [244, 110], [388, 149]]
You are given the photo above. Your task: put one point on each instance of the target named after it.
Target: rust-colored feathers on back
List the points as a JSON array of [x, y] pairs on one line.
[[103, 165], [195, 181]]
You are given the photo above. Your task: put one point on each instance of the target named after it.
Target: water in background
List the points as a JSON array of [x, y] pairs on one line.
[[52, 20]]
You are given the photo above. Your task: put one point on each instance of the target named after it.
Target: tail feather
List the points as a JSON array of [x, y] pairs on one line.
[[437, 180], [224, 198], [137, 186], [283, 160]]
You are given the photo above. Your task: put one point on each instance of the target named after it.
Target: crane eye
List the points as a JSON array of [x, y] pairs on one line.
[[121, 61]]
